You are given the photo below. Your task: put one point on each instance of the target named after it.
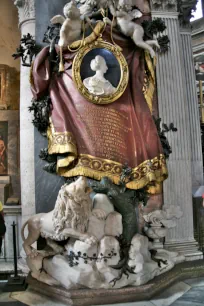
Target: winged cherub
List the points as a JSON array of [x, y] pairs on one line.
[[92, 8], [124, 20], [71, 25]]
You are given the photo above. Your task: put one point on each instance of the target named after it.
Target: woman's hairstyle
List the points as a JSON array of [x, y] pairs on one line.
[[97, 62]]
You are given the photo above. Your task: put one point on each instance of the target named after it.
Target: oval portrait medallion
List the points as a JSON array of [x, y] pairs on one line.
[[100, 72]]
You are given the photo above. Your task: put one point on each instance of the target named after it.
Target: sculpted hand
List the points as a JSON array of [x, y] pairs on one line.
[[99, 214]]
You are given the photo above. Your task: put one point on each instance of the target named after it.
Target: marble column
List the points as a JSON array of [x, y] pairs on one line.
[[172, 101], [26, 10], [191, 94]]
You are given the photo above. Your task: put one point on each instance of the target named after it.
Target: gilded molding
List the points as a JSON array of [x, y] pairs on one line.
[[150, 171]]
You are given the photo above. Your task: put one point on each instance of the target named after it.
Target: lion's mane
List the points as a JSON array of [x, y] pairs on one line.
[[68, 213]]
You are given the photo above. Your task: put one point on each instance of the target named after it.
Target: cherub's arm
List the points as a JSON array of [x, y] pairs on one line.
[[108, 21], [111, 8]]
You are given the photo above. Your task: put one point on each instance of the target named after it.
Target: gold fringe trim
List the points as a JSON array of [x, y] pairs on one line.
[[150, 87], [150, 171], [60, 143], [65, 162], [156, 189]]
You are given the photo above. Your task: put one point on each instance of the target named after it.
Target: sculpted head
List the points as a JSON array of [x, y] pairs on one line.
[[71, 10], [78, 189], [99, 64]]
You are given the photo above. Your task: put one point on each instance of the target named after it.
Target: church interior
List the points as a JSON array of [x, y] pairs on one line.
[[101, 152]]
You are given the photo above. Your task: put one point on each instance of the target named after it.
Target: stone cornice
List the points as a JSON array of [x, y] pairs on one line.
[[166, 15], [164, 5], [185, 8], [26, 10]]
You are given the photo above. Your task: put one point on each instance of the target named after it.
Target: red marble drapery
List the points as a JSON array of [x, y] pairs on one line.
[[99, 139]]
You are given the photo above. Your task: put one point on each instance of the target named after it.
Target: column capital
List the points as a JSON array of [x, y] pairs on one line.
[[164, 5], [185, 8], [26, 10]]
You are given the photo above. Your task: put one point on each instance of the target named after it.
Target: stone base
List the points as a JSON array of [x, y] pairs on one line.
[[130, 294], [188, 249]]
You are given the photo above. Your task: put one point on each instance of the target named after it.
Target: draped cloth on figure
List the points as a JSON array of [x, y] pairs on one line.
[[97, 140]]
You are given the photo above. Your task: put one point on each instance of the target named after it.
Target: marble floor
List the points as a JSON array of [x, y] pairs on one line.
[[187, 293]]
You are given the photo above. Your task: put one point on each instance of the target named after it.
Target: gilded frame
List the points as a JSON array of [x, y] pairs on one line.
[[76, 72]]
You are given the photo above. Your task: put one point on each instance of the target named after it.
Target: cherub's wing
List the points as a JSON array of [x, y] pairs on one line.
[[57, 19], [135, 14]]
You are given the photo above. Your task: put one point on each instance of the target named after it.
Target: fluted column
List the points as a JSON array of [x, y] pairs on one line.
[[173, 108], [191, 93], [26, 10]]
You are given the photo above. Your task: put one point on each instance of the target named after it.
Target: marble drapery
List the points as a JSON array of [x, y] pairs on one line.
[[97, 140]]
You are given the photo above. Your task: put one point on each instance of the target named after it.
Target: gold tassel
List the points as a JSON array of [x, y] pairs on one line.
[[61, 65]]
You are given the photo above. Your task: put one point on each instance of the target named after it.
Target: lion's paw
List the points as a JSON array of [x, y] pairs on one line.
[[33, 254], [99, 214], [91, 240]]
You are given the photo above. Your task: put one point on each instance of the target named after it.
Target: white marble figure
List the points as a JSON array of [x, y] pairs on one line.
[[68, 219], [82, 264], [97, 84], [97, 274], [92, 8], [71, 25], [124, 19]]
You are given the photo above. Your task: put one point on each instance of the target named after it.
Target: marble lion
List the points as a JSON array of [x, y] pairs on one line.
[[69, 218]]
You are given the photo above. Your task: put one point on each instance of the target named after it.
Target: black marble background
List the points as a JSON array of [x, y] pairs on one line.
[[46, 185], [113, 74]]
